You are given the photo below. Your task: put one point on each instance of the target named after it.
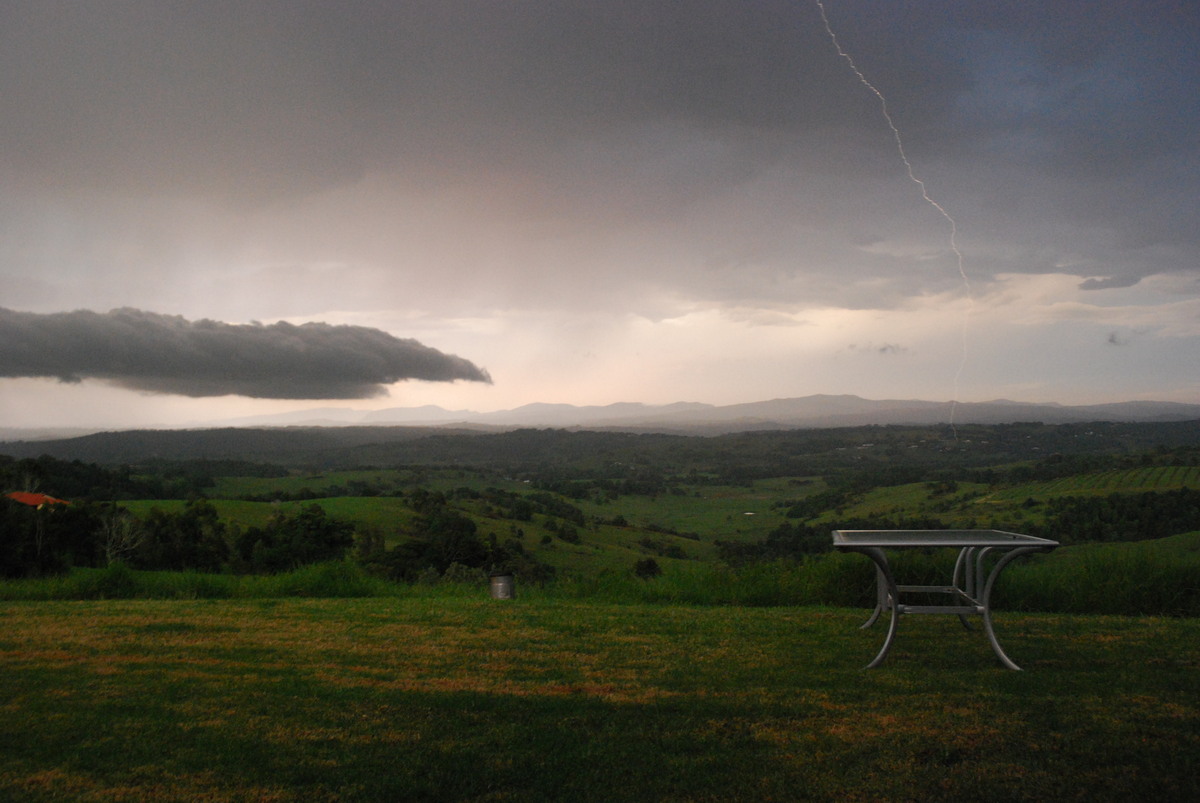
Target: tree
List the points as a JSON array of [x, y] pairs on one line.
[[46, 539], [368, 543], [18, 554], [443, 537], [193, 538], [120, 535], [289, 541]]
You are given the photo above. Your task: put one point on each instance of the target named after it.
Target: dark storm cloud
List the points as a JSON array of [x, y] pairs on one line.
[[270, 98], [309, 92], [1060, 133], [168, 354]]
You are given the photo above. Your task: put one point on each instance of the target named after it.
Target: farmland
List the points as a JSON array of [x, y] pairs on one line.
[[679, 632], [1157, 478], [585, 507], [684, 523]]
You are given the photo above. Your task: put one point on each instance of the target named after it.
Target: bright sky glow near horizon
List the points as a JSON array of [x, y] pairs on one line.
[[592, 203]]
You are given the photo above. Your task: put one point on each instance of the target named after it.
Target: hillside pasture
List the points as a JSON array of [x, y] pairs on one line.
[[969, 504], [1102, 483], [383, 513], [716, 512], [680, 525], [601, 547], [372, 481], [711, 512], [914, 499]]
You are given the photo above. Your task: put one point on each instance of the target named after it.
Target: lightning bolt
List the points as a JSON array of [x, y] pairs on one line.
[[958, 255]]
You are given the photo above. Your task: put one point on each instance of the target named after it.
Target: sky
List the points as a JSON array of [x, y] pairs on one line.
[[232, 208]]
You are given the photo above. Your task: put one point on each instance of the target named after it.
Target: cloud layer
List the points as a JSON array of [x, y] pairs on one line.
[[468, 156], [612, 201], [157, 353]]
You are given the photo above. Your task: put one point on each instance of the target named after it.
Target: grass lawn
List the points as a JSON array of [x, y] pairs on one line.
[[538, 699]]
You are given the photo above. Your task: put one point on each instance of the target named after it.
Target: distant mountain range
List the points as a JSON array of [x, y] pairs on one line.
[[819, 411], [537, 433], [693, 418]]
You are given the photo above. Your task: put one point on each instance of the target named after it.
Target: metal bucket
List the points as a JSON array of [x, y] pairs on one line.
[[503, 586]]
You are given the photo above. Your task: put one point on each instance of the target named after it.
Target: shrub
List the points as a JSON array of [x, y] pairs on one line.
[[647, 568], [114, 582], [329, 579]]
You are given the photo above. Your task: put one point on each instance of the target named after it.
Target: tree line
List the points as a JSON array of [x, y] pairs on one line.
[[1122, 516], [1069, 520], [55, 537]]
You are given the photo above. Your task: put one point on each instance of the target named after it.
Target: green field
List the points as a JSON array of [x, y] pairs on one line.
[[385, 513], [709, 682], [472, 699], [709, 512], [336, 483], [681, 525], [972, 504], [914, 499], [716, 511], [1134, 480]]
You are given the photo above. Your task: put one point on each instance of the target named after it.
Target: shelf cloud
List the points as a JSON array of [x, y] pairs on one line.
[[168, 354]]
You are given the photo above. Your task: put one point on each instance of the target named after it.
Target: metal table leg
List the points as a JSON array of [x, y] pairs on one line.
[[986, 601], [963, 564], [886, 594], [881, 599]]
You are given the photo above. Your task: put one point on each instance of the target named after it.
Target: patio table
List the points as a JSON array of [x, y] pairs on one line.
[[970, 587]]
